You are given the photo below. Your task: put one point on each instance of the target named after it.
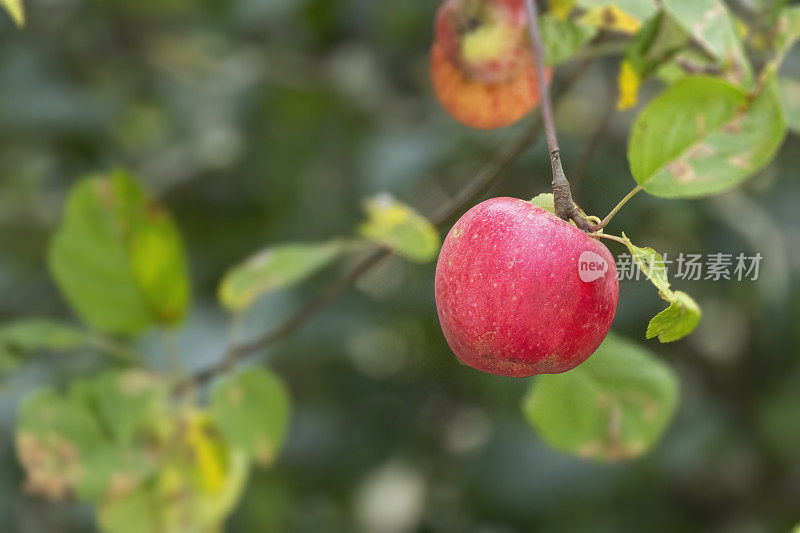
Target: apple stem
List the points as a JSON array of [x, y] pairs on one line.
[[562, 194], [610, 237], [603, 223]]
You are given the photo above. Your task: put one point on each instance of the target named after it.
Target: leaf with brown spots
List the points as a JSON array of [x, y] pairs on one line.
[[713, 28], [703, 136], [57, 439], [614, 406], [177, 499], [252, 410], [96, 441]]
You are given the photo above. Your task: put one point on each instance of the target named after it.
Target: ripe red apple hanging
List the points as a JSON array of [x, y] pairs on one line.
[[520, 291]]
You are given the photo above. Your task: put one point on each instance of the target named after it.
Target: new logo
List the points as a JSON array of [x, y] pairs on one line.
[[591, 266]]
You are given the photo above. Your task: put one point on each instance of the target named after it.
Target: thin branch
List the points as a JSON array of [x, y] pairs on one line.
[[562, 195], [466, 196], [288, 326], [544, 87]]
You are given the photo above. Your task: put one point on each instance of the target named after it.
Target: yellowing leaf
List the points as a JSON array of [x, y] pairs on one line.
[[561, 8], [397, 226], [629, 82], [176, 501], [274, 268], [611, 18], [16, 10], [209, 460]]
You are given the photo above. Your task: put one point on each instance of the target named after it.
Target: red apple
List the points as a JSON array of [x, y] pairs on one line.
[[484, 105], [486, 39], [521, 292]]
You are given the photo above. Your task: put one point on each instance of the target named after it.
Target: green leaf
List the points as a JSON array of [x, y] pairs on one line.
[[711, 25], [31, 335], [138, 512], [22, 339], [703, 136], [683, 313], [659, 40], [545, 201], [563, 39], [397, 226], [126, 402], [790, 98], [159, 266], [614, 406], [275, 268], [252, 411], [16, 10], [118, 258], [651, 263], [677, 320]]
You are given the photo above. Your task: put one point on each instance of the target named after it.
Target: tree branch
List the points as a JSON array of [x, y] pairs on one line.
[[562, 195], [466, 196]]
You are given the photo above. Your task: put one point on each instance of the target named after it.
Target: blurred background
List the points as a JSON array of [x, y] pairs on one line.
[[263, 121]]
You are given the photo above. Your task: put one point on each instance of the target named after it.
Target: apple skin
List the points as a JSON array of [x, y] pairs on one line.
[[509, 295], [486, 39]]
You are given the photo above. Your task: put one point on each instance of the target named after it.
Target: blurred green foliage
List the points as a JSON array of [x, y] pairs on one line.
[[264, 121]]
